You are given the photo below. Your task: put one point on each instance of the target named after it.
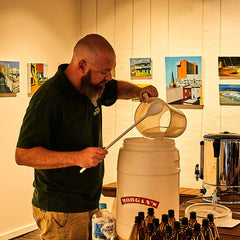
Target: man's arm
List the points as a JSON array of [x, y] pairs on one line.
[[127, 90], [42, 158]]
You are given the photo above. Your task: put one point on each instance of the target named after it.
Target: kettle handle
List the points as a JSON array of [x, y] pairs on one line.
[[201, 159]]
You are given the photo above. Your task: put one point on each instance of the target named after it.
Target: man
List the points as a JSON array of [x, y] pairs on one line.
[[62, 133]]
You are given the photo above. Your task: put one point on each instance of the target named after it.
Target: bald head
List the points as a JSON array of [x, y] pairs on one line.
[[92, 47]]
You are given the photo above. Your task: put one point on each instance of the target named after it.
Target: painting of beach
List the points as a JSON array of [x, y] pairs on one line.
[[229, 67], [229, 94]]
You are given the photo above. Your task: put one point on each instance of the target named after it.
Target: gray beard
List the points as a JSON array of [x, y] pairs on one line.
[[93, 92]]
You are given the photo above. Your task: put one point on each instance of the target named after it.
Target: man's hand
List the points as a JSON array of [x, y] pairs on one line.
[[150, 90]]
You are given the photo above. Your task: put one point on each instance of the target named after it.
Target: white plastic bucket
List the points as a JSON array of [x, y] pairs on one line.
[[148, 176]]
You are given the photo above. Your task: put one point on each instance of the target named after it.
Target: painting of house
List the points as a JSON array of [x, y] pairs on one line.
[[183, 80], [9, 77], [140, 68]]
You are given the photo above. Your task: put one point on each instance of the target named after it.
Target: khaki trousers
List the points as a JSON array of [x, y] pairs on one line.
[[64, 226]]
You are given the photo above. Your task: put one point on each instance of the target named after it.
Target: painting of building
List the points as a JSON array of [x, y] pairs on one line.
[[140, 68], [37, 75], [183, 80], [9, 77]]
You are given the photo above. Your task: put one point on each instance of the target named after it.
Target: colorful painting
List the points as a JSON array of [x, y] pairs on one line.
[[37, 75], [9, 77], [229, 68], [229, 94], [184, 80], [140, 68]]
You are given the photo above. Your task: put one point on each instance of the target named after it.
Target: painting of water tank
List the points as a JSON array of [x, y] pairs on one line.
[[140, 68], [229, 94], [9, 77], [228, 68], [184, 80]]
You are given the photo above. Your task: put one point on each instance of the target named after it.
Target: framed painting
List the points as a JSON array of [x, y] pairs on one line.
[[228, 68], [229, 94], [140, 68], [37, 76], [9, 78], [184, 81]]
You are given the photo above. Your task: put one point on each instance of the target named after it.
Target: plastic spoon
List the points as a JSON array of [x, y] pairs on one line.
[[154, 109]]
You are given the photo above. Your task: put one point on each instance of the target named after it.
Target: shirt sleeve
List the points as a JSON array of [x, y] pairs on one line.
[[109, 96], [38, 126]]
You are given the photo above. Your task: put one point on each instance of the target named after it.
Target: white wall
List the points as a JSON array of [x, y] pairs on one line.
[[31, 31], [160, 28]]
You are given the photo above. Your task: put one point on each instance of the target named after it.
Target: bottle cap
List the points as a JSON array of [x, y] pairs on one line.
[[193, 215], [170, 213], [138, 219], [205, 222], [150, 211], [210, 217], [102, 206], [156, 222], [197, 227], [177, 225], [184, 221], [141, 215], [164, 218]]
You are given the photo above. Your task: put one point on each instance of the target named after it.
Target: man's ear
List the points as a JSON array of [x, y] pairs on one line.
[[82, 66]]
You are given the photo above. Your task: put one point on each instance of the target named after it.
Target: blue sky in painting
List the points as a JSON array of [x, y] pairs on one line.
[[12, 64]]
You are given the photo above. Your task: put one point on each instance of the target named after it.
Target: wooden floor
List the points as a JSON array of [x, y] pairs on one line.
[[34, 235]]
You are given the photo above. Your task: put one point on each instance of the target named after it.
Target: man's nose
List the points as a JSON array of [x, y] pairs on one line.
[[108, 76]]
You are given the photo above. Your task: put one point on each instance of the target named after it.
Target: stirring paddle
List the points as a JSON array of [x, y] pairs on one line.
[[154, 109]]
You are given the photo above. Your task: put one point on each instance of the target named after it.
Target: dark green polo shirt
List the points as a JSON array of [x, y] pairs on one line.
[[59, 118]]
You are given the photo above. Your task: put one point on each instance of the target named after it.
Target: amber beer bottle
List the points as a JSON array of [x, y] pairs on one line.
[[206, 230], [184, 227], [168, 233], [177, 232], [163, 225], [171, 218], [137, 232], [157, 231], [189, 234], [213, 227], [150, 216], [143, 223], [192, 220], [197, 234], [149, 235]]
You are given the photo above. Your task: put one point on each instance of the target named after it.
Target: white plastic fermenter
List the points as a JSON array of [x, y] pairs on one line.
[[148, 176]]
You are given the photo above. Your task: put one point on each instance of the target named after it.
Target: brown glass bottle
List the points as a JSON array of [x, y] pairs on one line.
[[168, 233], [184, 227], [150, 216], [177, 232], [213, 227], [192, 219], [157, 231], [163, 225], [197, 234], [206, 230], [137, 232], [149, 235], [189, 234], [171, 218], [143, 223]]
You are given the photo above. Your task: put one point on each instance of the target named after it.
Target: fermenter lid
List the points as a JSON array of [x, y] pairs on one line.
[[222, 135]]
